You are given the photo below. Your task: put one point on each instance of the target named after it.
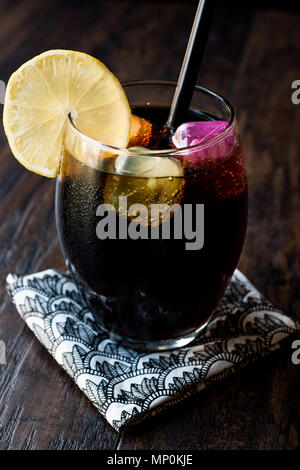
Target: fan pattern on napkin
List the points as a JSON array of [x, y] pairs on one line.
[[125, 385]]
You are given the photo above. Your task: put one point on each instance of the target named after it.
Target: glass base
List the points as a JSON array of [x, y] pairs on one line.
[[126, 340], [160, 345]]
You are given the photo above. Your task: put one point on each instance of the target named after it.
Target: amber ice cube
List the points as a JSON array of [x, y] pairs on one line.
[[141, 131]]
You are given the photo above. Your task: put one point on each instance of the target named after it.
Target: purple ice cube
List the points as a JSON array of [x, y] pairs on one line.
[[192, 133]]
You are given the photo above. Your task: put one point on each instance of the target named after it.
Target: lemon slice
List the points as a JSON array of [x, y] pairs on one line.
[[41, 94]]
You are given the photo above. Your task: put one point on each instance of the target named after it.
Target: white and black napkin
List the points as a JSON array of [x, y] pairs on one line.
[[125, 385]]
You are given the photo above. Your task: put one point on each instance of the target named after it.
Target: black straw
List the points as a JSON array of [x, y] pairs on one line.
[[191, 62]]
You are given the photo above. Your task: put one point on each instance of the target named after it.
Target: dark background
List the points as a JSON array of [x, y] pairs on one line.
[[252, 58]]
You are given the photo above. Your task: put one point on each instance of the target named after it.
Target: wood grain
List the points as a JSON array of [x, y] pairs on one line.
[[252, 57]]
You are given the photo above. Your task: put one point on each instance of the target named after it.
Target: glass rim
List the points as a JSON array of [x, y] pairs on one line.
[[176, 151]]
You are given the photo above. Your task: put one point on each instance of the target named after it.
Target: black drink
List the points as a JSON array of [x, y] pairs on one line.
[[152, 289]]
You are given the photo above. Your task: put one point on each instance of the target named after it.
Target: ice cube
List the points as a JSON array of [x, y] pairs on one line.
[[141, 131], [145, 165], [192, 133], [145, 179]]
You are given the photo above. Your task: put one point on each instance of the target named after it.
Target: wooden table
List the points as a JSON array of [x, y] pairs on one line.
[[252, 58]]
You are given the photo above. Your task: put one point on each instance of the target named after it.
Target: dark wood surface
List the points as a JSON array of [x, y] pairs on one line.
[[252, 58]]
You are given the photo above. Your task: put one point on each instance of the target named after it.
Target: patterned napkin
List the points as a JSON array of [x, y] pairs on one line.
[[127, 386]]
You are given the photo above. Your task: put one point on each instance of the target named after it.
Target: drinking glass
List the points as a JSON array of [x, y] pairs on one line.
[[153, 279]]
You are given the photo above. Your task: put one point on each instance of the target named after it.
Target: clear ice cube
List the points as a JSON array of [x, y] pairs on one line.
[[145, 179], [144, 165]]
